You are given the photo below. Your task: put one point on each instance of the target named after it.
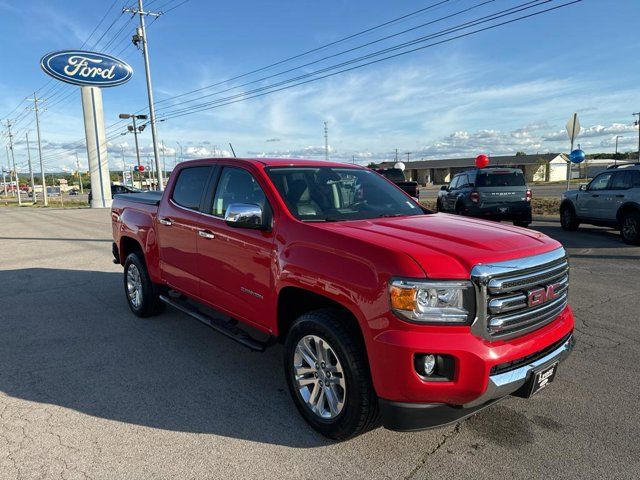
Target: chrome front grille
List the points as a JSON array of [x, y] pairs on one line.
[[518, 296]]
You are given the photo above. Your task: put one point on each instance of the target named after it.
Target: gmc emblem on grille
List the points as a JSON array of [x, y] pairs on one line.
[[542, 295]]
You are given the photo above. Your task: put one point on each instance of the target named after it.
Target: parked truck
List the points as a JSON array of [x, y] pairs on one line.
[[388, 313]]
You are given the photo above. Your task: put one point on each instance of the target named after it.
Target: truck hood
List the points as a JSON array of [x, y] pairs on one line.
[[447, 246]]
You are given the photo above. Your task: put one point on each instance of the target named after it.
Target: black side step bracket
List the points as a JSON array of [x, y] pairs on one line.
[[227, 328]]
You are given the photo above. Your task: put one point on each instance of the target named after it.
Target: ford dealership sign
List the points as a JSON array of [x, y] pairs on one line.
[[87, 69]]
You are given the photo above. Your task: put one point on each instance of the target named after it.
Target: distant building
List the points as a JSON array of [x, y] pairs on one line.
[[546, 167]]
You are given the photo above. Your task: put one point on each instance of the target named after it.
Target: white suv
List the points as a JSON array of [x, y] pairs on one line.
[[611, 199]]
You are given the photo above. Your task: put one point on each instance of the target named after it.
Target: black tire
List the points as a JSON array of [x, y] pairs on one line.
[[148, 303], [439, 206], [460, 210], [360, 411], [568, 218], [630, 228]]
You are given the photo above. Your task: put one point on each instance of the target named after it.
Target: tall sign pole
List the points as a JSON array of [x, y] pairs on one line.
[[91, 71], [573, 129], [141, 37]]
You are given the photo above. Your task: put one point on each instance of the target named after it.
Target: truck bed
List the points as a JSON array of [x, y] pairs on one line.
[[148, 198]]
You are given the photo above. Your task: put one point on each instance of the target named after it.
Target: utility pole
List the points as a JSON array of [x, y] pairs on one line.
[[408, 154], [33, 183], [326, 141], [141, 37], [396, 155], [181, 153], [13, 160], [35, 100], [79, 173], [637, 123], [134, 129], [10, 170]]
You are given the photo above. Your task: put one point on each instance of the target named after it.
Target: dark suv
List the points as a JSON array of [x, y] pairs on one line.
[[495, 193], [611, 199]]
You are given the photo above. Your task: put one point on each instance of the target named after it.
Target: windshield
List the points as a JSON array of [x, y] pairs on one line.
[[336, 194], [500, 179]]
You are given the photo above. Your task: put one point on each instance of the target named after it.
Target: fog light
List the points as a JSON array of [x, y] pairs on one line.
[[428, 364]]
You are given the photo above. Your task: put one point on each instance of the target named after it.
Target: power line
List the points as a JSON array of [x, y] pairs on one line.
[[198, 109], [249, 94], [344, 51]]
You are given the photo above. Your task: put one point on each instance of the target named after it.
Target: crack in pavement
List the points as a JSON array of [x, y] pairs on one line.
[[439, 445]]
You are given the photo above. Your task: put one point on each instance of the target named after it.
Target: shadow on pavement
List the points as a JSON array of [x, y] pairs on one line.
[[584, 237], [69, 339]]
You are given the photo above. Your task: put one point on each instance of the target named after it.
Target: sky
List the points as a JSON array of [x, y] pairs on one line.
[[499, 91]]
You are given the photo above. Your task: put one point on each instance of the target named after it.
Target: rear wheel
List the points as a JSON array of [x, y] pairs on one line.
[[328, 375], [630, 228], [439, 206], [142, 294], [568, 219]]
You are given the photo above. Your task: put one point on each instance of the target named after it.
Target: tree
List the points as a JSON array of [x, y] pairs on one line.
[[520, 154], [372, 165]]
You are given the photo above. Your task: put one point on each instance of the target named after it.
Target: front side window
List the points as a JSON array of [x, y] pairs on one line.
[[600, 182], [338, 194], [454, 183], [237, 185], [190, 186]]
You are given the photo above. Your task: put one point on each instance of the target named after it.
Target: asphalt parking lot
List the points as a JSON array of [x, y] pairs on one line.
[[87, 390]]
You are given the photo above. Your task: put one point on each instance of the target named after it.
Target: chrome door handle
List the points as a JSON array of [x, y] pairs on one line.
[[206, 234], [165, 221]]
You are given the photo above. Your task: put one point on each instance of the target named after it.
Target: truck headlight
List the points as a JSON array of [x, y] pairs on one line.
[[427, 301]]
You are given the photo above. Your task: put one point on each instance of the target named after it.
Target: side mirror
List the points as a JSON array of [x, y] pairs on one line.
[[444, 188], [583, 187], [244, 215]]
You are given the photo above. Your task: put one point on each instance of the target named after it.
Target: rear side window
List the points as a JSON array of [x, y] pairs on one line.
[[190, 186], [500, 179], [635, 178], [621, 181]]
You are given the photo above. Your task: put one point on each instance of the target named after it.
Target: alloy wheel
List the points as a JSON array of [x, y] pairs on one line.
[[319, 377], [134, 286]]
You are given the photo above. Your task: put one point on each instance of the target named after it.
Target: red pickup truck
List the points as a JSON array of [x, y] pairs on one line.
[[389, 313]]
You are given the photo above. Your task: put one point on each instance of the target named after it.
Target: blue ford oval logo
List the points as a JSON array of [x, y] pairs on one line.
[[87, 69]]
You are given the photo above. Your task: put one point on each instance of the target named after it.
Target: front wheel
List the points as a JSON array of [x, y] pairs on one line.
[[568, 219], [630, 229], [142, 295], [328, 375]]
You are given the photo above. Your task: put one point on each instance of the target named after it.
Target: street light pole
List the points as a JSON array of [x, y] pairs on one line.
[[615, 160], [141, 37]]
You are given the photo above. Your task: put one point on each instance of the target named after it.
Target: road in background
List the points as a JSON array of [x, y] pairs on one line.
[[88, 389]]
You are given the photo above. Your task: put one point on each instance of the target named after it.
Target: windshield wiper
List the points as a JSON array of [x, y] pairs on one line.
[[325, 219], [391, 215]]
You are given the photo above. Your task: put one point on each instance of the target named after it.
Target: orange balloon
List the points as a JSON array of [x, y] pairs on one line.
[[482, 160]]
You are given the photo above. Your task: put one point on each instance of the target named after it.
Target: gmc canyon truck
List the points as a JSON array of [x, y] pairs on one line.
[[389, 313]]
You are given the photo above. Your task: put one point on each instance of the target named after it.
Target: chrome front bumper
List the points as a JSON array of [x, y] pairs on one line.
[[503, 384]]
